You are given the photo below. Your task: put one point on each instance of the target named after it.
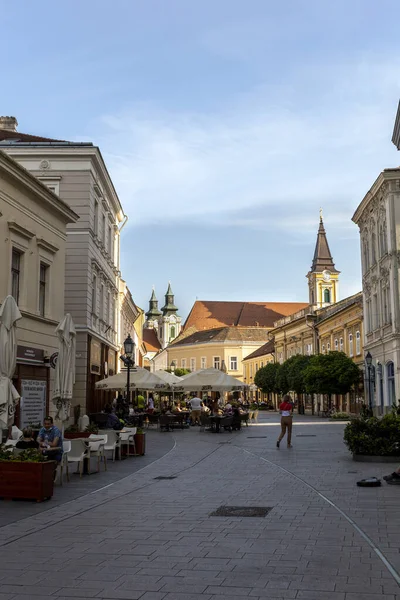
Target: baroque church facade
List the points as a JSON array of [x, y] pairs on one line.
[[165, 323]]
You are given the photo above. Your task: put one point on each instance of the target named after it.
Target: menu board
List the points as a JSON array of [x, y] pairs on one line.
[[33, 401]]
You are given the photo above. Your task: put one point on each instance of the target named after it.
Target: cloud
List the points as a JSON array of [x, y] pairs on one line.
[[261, 151]]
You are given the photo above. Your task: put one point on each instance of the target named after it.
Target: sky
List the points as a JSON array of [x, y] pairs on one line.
[[225, 125]]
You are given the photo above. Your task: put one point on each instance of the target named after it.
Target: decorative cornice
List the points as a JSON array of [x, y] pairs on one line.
[[47, 245], [22, 231]]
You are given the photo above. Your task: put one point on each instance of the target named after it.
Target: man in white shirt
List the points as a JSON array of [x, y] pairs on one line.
[[195, 404]]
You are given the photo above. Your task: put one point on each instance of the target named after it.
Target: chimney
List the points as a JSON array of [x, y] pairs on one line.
[[8, 123]]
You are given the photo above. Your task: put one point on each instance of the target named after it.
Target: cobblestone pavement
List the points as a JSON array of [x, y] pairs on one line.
[[151, 539]]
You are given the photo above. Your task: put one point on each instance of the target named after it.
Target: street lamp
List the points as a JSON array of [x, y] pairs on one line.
[[129, 361], [368, 360], [173, 366]]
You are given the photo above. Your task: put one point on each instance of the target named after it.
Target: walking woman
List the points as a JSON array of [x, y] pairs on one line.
[[286, 410]]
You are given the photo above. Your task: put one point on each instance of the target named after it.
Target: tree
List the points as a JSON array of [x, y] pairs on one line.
[[282, 379], [180, 372], [333, 373], [295, 368], [266, 377]]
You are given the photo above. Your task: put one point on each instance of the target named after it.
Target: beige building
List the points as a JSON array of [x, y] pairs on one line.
[[76, 172], [131, 320], [33, 238], [252, 363]]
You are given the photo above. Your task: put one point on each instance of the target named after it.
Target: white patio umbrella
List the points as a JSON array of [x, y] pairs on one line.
[[140, 379], [65, 368], [167, 377], [209, 380], [9, 315]]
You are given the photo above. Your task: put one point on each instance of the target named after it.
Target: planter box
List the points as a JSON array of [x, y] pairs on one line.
[[75, 436], [376, 459], [28, 480], [140, 443]]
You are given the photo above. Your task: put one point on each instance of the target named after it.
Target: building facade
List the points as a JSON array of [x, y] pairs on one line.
[[252, 363], [378, 219], [33, 241], [77, 174]]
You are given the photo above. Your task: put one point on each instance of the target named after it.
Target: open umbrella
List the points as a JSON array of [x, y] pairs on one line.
[[140, 379], [167, 377], [209, 380], [9, 315], [65, 367]]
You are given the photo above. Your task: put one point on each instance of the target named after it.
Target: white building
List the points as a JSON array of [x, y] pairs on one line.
[[378, 218]]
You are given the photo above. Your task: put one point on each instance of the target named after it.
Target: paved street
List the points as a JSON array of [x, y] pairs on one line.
[[142, 537]]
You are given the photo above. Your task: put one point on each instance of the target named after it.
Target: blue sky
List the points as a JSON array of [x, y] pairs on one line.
[[225, 125]]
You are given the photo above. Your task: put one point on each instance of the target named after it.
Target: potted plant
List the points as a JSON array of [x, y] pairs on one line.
[[27, 475], [92, 428], [140, 442], [372, 439], [72, 433]]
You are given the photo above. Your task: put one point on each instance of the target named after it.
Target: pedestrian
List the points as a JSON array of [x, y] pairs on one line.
[[286, 410]]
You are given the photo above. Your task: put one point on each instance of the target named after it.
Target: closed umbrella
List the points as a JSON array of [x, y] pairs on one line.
[[65, 368], [9, 315], [209, 380], [140, 379]]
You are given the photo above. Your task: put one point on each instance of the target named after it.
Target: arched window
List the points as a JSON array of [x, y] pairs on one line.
[[341, 344], [366, 255], [328, 347], [327, 295], [351, 349], [172, 332], [373, 248], [391, 388], [323, 348], [336, 345]]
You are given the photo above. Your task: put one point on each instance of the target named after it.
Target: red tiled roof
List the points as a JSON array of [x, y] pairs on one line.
[[151, 340], [222, 334], [211, 314], [268, 348], [23, 137]]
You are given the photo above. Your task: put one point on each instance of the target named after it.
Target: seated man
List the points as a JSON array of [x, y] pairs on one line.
[[50, 440]]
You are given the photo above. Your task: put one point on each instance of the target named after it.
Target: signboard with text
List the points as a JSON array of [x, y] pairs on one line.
[[33, 401]]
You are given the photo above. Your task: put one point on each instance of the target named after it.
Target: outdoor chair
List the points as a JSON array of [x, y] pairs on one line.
[[164, 422], [64, 461], [128, 440], [78, 453], [96, 447], [205, 422], [226, 423], [112, 442], [245, 418], [152, 420]]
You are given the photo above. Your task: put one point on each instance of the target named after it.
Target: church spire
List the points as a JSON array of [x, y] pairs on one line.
[[322, 255], [153, 312], [169, 307]]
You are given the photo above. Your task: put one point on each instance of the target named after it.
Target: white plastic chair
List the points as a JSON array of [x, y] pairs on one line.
[[127, 440], [78, 453], [112, 442], [132, 431], [64, 460], [96, 447], [10, 443]]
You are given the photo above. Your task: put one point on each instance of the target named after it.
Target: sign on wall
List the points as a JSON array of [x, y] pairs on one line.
[[33, 401]]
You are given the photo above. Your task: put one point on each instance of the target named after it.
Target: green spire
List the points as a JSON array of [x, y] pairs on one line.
[[153, 312], [169, 306]]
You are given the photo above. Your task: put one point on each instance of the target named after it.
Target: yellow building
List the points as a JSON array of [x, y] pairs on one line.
[[254, 361], [221, 334]]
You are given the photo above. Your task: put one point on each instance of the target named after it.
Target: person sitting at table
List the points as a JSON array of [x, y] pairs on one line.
[[205, 409], [27, 440], [228, 408], [177, 408], [50, 440]]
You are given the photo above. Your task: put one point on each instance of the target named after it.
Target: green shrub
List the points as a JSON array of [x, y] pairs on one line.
[[374, 436], [340, 415], [29, 455]]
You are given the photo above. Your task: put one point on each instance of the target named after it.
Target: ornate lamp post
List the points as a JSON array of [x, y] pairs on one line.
[[173, 366], [129, 361], [368, 360]]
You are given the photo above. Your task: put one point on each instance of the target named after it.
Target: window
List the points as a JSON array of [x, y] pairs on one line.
[[373, 248], [104, 230], [203, 362], [94, 295], [328, 347], [375, 314], [160, 333], [341, 344], [368, 321], [172, 332], [183, 363], [216, 362], [391, 386], [110, 240], [192, 364], [358, 343], [382, 239], [281, 357], [327, 295], [261, 364], [386, 306], [42, 289], [96, 218], [336, 344], [101, 315], [234, 363], [366, 255], [251, 371], [309, 349], [351, 349], [323, 348], [15, 274]]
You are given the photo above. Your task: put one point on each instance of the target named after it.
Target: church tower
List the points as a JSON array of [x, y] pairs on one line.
[[170, 323], [153, 315], [323, 278]]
